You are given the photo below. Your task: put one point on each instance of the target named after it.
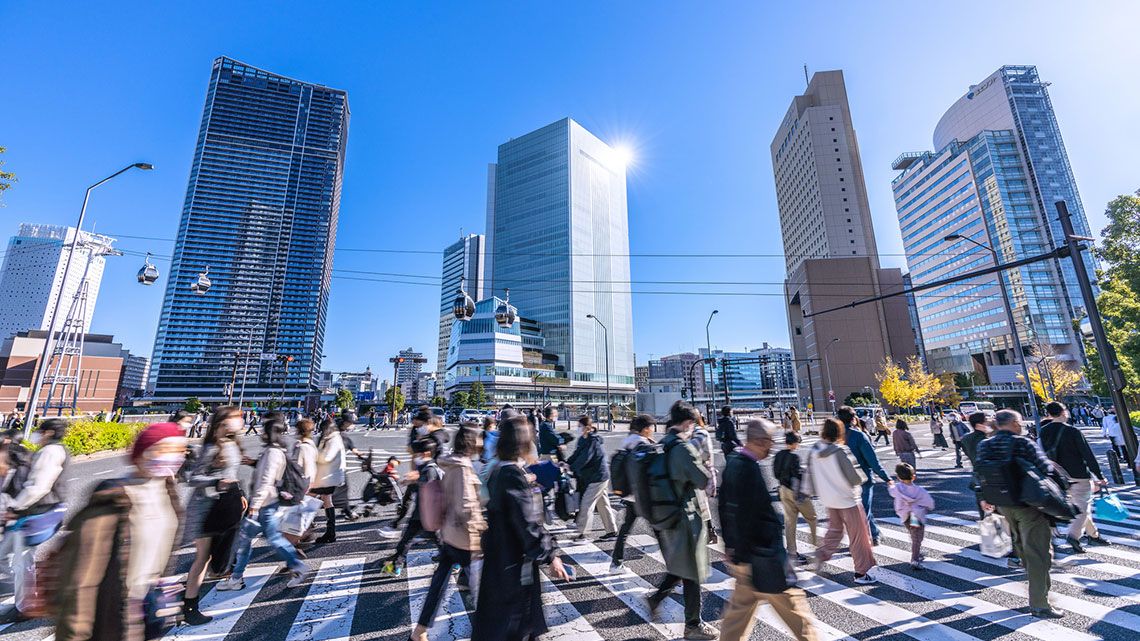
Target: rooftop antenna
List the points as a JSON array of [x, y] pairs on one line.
[[806, 81]]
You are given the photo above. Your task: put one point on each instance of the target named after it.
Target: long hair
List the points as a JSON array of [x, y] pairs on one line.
[[274, 428], [515, 438], [214, 433]]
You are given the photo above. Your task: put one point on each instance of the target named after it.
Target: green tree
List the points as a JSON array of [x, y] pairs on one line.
[[477, 395], [461, 399], [858, 399], [345, 399], [1119, 299], [7, 178], [437, 401], [192, 404], [394, 397]]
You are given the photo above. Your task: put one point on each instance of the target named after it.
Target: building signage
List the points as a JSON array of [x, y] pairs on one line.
[[977, 89]]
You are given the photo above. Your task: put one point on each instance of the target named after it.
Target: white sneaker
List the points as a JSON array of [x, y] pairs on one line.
[[387, 532], [866, 579], [232, 583], [298, 577]]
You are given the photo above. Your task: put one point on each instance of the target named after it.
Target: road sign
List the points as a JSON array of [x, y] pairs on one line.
[[831, 396]]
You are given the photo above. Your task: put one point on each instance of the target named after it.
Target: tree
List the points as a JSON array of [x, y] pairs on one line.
[[1119, 299], [896, 388], [345, 399], [1059, 380], [948, 396], [857, 399], [7, 178], [437, 401], [461, 399], [192, 404], [394, 397], [477, 395], [926, 385]]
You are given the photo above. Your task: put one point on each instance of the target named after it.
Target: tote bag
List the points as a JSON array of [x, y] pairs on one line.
[[995, 538]]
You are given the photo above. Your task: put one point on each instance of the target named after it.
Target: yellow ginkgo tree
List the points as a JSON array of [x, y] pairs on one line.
[[906, 388]]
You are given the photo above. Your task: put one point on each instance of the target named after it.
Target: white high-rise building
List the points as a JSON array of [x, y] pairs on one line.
[[32, 277], [462, 260]]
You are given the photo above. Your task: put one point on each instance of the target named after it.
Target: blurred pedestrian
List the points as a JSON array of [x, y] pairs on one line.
[[1067, 447], [864, 453], [881, 429], [1110, 429], [912, 504], [726, 431], [702, 443], [788, 470], [640, 433], [590, 467], [331, 473], [938, 429]]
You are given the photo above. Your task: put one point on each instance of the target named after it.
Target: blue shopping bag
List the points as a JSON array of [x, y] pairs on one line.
[[1108, 507]]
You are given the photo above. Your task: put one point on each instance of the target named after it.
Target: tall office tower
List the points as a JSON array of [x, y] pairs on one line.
[[560, 242], [829, 248], [31, 280], [463, 261], [408, 371], [999, 167], [260, 215]]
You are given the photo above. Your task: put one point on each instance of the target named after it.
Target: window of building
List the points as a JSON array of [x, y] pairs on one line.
[[833, 128]]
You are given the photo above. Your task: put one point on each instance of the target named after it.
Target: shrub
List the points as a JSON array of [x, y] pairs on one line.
[[86, 437], [1135, 416]]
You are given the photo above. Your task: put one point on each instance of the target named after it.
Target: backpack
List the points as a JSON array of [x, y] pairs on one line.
[[1000, 479], [429, 497], [655, 498], [958, 431], [293, 485], [619, 473]]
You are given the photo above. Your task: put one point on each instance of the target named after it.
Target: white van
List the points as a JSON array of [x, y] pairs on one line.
[[966, 408]]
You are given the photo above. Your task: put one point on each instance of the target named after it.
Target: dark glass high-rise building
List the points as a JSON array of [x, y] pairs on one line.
[[261, 214]]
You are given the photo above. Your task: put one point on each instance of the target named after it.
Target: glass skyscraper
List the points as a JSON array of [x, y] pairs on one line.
[[260, 214], [999, 167], [559, 239], [463, 262]]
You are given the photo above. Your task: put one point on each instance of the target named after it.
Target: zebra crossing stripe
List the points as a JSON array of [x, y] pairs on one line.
[[451, 620], [1115, 552], [722, 585], [327, 611], [563, 620], [225, 607]]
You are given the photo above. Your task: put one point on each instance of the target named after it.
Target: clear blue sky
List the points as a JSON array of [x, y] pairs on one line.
[[698, 91]]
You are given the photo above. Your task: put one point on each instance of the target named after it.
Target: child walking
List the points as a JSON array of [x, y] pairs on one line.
[[912, 504]]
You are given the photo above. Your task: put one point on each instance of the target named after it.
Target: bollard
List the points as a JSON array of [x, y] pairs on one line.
[[1114, 467]]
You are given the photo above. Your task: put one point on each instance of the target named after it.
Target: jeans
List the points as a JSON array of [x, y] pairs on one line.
[[692, 597], [266, 523], [868, 499], [623, 532], [957, 454], [411, 531], [448, 558]]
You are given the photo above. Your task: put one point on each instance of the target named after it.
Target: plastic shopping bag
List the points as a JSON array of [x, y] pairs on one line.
[[995, 538], [1108, 507], [296, 519]]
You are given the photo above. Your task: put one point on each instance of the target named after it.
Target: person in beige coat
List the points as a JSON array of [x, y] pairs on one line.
[[463, 522]]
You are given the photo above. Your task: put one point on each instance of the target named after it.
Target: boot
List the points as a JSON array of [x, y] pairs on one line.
[[330, 527], [191, 615]]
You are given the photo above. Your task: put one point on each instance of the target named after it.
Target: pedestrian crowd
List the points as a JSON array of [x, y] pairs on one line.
[[485, 497]]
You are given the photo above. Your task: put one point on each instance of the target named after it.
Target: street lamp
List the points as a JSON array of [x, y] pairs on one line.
[[49, 341], [827, 366], [1009, 318], [712, 363], [609, 402]]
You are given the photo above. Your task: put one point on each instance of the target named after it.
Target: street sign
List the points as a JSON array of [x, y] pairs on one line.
[[831, 396]]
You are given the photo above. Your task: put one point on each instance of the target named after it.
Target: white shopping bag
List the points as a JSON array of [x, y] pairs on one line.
[[296, 519], [995, 537]]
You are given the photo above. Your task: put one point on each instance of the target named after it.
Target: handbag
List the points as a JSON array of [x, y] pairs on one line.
[[1108, 507], [772, 573], [1044, 494], [996, 541], [225, 513], [38, 528], [296, 519]]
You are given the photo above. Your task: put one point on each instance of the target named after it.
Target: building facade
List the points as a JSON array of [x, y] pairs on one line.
[[260, 220], [98, 372], [678, 372], [830, 252], [32, 278], [463, 262], [132, 382], [559, 240], [753, 379], [641, 377], [999, 166], [408, 371]]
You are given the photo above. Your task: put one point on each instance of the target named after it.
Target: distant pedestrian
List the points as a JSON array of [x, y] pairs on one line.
[[912, 504], [938, 430], [881, 429], [590, 467], [958, 431], [332, 472], [906, 449], [726, 431], [1097, 414], [794, 417], [788, 470], [1110, 429]]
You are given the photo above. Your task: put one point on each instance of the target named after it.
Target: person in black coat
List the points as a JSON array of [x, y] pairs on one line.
[[514, 545], [588, 462]]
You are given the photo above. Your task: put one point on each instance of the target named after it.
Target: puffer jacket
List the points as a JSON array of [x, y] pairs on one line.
[[463, 522], [331, 462]]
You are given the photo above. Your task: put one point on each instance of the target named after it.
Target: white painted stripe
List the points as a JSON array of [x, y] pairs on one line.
[[451, 620], [1115, 552], [225, 607], [564, 621], [722, 585], [327, 611]]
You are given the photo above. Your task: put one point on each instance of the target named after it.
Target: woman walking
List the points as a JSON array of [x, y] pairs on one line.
[[881, 429], [463, 522], [905, 447], [937, 428], [216, 504], [330, 474], [590, 467], [514, 545]]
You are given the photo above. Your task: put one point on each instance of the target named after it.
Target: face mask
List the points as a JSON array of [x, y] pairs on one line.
[[163, 466], [37, 438]]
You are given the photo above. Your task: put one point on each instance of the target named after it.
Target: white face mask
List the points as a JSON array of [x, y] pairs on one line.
[[163, 466]]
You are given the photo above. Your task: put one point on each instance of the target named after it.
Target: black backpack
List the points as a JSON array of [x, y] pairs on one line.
[[655, 498], [1000, 478], [619, 473], [293, 486]]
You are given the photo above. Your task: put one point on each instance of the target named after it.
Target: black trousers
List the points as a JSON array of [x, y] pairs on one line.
[[405, 505], [957, 454], [623, 532], [692, 597], [413, 529], [448, 558], [883, 435]]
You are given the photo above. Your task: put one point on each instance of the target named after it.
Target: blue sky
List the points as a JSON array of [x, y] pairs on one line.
[[435, 87]]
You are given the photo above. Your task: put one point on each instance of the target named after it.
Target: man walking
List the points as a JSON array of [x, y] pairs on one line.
[[726, 431], [751, 526], [640, 433], [865, 456], [998, 473], [788, 470], [1066, 446], [958, 431]]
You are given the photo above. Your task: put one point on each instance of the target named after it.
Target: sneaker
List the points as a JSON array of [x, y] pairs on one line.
[[917, 566], [388, 532], [702, 631], [608, 536], [298, 577], [1075, 544], [654, 603], [1046, 613], [616, 567], [391, 569], [1099, 540], [232, 583], [865, 579], [713, 540], [1013, 563], [875, 541], [578, 538], [801, 559]]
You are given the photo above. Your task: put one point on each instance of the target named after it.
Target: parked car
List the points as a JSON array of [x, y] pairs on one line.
[[965, 408], [473, 416]]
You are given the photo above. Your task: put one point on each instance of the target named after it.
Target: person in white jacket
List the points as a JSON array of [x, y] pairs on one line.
[[331, 471], [1110, 429], [834, 479], [263, 504]]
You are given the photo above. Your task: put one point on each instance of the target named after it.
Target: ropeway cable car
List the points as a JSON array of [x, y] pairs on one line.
[[149, 273]]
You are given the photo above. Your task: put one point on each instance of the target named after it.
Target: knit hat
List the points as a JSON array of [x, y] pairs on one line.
[[154, 433]]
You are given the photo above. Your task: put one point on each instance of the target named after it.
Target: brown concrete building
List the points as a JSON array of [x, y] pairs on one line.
[[100, 370], [829, 247]]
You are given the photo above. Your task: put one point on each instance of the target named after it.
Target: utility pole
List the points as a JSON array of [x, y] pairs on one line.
[[1108, 361]]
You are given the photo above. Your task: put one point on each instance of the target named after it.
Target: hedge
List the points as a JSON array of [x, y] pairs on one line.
[[86, 437]]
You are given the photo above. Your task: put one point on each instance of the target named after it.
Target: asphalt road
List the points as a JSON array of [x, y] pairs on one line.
[[962, 595]]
